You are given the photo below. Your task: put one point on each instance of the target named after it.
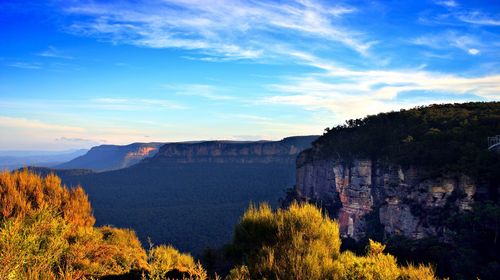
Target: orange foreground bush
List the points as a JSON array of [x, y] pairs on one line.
[[46, 232]]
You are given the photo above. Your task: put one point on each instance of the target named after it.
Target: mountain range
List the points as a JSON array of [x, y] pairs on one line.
[[186, 194], [15, 159], [111, 157]]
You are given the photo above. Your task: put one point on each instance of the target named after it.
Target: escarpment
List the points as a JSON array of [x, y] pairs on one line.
[[403, 200], [112, 157], [404, 173], [283, 151]]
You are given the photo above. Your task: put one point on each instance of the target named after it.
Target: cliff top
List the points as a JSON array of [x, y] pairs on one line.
[[445, 137]]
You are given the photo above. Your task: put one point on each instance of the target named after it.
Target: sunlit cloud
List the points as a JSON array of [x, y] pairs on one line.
[[12, 122], [352, 93]]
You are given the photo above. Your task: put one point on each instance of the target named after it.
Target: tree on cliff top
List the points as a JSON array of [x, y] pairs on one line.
[[447, 137]]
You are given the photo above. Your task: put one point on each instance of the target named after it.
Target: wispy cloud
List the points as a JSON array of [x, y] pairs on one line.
[[225, 29], [200, 90], [133, 104], [450, 39], [479, 18], [457, 14], [351, 93], [24, 123], [26, 65], [447, 3], [72, 139], [52, 52]]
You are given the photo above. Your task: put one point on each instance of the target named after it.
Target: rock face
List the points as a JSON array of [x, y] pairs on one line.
[[111, 157], [284, 151], [404, 201]]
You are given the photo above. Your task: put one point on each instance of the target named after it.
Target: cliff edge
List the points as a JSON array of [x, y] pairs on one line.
[[404, 172]]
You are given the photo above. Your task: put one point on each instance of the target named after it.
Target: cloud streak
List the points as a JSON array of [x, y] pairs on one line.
[[26, 65], [199, 90], [52, 52], [133, 104], [226, 29], [478, 18], [450, 39], [351, 93]]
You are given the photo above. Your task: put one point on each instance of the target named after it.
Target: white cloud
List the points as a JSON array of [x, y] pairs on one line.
[[352, 94], [450, 39], [24, 123], [199, 90], [26, 65], [228, 29], [478, 18], [133, 104], [473, 51], [53, 53], [447, 3]]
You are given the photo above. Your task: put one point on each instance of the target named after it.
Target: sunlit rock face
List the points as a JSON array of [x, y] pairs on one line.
[[112, 157], [404, 201], [135, 156]]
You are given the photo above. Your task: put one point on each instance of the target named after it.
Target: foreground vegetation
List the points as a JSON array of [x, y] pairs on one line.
[[47, 232], [303, 243]]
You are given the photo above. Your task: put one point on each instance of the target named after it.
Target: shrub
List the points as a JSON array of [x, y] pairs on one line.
[[297, 243], [23, 193], [105, 251], [31, 248], [375, 265], [168, 263], [302, 243], [239, 273]]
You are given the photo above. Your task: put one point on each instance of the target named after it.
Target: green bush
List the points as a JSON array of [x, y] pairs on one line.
[[301, 242]]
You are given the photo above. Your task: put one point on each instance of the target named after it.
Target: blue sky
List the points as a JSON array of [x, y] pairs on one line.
[[76, 74]]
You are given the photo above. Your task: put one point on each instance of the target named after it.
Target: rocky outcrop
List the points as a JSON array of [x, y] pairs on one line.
[[283, 151], [403, 201], [112, 157]]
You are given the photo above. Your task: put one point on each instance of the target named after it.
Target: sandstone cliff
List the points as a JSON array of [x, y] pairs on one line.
[[112, 157], [403, 200], [284, 151], [406, 172]]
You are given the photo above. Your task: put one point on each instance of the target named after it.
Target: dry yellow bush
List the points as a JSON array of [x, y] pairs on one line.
[[46, 232], [168, 263], [302, 243], [24, 193]]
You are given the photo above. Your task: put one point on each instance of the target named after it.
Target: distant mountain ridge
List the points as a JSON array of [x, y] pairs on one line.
[[15, 159], [112, 157], [233, 151]]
